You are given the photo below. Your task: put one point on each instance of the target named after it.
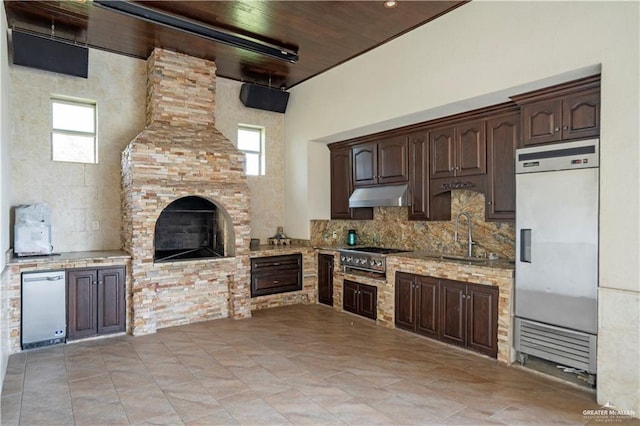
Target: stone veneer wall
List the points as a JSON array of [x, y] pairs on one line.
[[390, 227], [180, 153]]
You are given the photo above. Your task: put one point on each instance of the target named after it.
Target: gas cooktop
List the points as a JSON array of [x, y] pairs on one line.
[[370, 259]]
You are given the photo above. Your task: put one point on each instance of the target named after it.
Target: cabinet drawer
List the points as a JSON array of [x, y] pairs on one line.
[[274, 263]]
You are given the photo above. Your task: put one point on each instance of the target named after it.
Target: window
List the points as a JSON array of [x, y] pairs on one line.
[[251, 142], [73, 134]]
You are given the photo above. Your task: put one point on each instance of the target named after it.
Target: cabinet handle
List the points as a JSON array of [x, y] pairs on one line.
[[94, 283], [557, 129], [565, 128], [490, 202], [275, 281]]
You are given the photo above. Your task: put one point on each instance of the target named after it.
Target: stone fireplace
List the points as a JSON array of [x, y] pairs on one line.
[[183, 175]]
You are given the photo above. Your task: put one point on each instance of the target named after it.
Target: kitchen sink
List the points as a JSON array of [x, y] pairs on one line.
[[463, 258]]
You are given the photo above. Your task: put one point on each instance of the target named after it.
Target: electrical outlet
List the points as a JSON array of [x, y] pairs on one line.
[[95, 225]]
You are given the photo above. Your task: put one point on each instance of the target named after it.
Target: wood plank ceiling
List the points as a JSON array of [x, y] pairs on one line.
[[324, 33]]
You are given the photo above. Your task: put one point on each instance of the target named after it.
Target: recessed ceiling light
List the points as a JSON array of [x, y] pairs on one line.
[[390, 4]]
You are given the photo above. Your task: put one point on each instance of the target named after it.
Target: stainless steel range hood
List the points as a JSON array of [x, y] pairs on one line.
[[379, 196]]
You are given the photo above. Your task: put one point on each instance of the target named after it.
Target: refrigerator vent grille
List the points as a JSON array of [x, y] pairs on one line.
[[567, 347]]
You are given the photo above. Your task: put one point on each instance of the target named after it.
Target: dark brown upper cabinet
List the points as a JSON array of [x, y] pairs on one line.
[[459, 150], [342, 187], [419, 175], [381, 162], [560, 113], [581, 115], [503, 136]]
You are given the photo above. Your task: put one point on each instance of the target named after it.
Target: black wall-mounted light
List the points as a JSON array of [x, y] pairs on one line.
[[198, 29]]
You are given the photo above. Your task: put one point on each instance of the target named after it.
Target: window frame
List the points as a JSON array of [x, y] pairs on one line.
[[86, 103], [261, 153]]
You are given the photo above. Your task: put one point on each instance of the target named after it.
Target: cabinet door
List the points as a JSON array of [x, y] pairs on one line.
[[581, 115], [452, 312], [111, 300], [393, 160], [471, 149], [419, 176], [441, 152], [427, 298], [542, 122], [340, 183], [365, 161], [325, 279], [482, 313], [350, 296], [405, 301], [503, 135], [341, 187], [368, 301], [82, 303]]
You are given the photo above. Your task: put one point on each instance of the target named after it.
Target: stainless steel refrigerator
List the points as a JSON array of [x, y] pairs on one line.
[[556, 288]]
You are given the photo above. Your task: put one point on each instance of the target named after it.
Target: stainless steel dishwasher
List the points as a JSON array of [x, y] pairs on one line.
[[44, 307]]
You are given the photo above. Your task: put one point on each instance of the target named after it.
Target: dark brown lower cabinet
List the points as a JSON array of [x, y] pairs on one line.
[[95, 302], [417, 304], [361, 299], [469, 316], [460, 313], [325, 279], [276, 274]]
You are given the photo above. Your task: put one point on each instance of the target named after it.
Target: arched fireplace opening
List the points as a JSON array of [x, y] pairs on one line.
[[192, 228]]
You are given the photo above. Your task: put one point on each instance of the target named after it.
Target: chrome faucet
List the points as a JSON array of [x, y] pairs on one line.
[[470, 241]]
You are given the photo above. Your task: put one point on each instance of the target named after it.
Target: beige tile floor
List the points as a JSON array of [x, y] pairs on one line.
[[291, 365]]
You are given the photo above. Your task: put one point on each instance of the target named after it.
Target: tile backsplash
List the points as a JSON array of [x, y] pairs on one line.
[[391, 228]]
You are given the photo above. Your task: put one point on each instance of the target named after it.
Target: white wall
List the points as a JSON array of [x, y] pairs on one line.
[[477, 55], [4, 189]]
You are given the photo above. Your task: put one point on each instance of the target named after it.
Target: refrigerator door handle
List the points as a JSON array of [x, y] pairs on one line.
[[525, 245]]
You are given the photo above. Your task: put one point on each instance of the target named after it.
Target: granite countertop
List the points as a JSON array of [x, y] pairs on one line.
[[437, 257], [268, 249], [70, 256]]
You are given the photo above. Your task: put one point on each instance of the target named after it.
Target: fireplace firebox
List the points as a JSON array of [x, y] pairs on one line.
[[189, 228]]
